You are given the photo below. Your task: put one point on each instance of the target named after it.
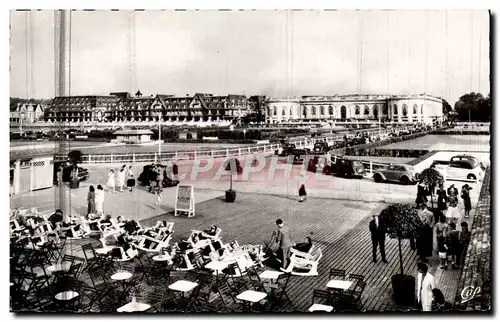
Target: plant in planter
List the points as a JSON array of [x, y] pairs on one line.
[[234, 167], [402, 222], [431, 178], [75, 157]]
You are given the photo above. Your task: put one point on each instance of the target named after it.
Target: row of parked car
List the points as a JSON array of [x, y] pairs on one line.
[[459, 167]]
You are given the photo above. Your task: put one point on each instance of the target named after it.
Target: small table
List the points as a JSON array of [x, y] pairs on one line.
[[183, 286], [268, 274], [320, 307], [162, 258], [121, 276], [61, 267], [134, 307], [337, 284], [66, 296], [217, 265], [104, 250], [251, 297]]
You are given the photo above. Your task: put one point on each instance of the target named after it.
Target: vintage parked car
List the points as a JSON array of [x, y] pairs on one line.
[[285, 150], [83, 174], [299, 155], [402, 173], [321, 147], [147, 175], [460, 168], [340, 167]]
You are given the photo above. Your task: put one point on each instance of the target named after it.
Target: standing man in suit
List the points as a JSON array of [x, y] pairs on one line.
[[285, 243], [377, 230]]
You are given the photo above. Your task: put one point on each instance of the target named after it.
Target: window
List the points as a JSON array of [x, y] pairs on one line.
[[283, 112], [385, 110], [415, 107], [322, 110], [367, 110], [405, 110], [395, 109], [356, 111], [330, 110], [375, 111], [422, 109], [275, 112], [313, 110]]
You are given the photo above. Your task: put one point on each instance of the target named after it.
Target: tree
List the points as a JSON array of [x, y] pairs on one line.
[[474, 107], [234, 167], [402, 222], [446, 107], [431, 178]]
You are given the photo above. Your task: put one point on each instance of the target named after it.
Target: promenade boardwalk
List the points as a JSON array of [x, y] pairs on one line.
[[340, 228]]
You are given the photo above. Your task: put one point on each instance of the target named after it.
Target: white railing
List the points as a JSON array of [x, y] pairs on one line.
[[300, 142]]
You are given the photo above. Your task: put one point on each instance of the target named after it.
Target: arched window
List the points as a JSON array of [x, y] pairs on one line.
[[385, 110], [269, 111], [375, 111], [395, 109], [291, 112], [313, 112], [422, 109], [330, 110], [283, 111], [356, 110], [415, 107], [322, 110], [405, 110], [275, 112], [304, 111], [367, 110]]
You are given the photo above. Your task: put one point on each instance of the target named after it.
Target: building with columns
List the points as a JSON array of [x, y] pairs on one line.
[[420, 108]]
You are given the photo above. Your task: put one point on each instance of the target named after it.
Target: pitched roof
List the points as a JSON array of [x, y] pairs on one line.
[[133, 132]]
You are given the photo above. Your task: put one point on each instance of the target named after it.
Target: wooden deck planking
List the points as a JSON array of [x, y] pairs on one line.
[[340, 228]]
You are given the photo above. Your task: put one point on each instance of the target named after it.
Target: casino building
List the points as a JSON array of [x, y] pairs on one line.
[[362, 108], [121, 107]]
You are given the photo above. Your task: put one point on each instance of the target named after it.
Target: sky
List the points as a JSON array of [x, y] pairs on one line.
[[274, 53]]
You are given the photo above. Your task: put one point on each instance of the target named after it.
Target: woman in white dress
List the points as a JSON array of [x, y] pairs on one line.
[[453, 214], [99, 200], [130, 179], [111, 180], [121, 177]]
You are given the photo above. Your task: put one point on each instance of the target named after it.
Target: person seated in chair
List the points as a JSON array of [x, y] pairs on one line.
[[56, 217], [304, 247], [210, 232]]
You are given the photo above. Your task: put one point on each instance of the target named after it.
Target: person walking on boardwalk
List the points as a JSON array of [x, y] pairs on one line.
[[465, 195], [91, 201], [425, 285], [130, 179], [377, 230], [99, 200], [285, 243], [121, 177], [302, 193], [158, 191], [111, 181]]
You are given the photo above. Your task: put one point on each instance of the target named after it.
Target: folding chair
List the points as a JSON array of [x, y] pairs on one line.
[[279, 290], [321, 301], [336, 274], [90, 257]]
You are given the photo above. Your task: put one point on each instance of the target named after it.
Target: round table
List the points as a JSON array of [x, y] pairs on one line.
[[66, 296], [162, 258], [59, 267], [121, 276]]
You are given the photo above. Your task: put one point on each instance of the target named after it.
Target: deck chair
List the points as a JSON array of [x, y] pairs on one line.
[[305, 266], [150, 244]]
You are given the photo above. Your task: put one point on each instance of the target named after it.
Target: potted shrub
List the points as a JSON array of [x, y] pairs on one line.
[[234, 167], [74, 157], [402, 222], [431, 178]]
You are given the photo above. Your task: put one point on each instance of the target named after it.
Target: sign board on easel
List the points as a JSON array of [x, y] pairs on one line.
[[184, 201]]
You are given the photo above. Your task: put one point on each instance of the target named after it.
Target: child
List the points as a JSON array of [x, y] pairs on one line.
[[442, 249], [302, 193], [158, 192]]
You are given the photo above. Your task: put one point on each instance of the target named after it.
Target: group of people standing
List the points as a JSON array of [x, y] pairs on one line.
[[125, 179]]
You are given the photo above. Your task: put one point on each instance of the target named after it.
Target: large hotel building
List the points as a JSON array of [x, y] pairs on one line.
[[121, 107], [395, 108]]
